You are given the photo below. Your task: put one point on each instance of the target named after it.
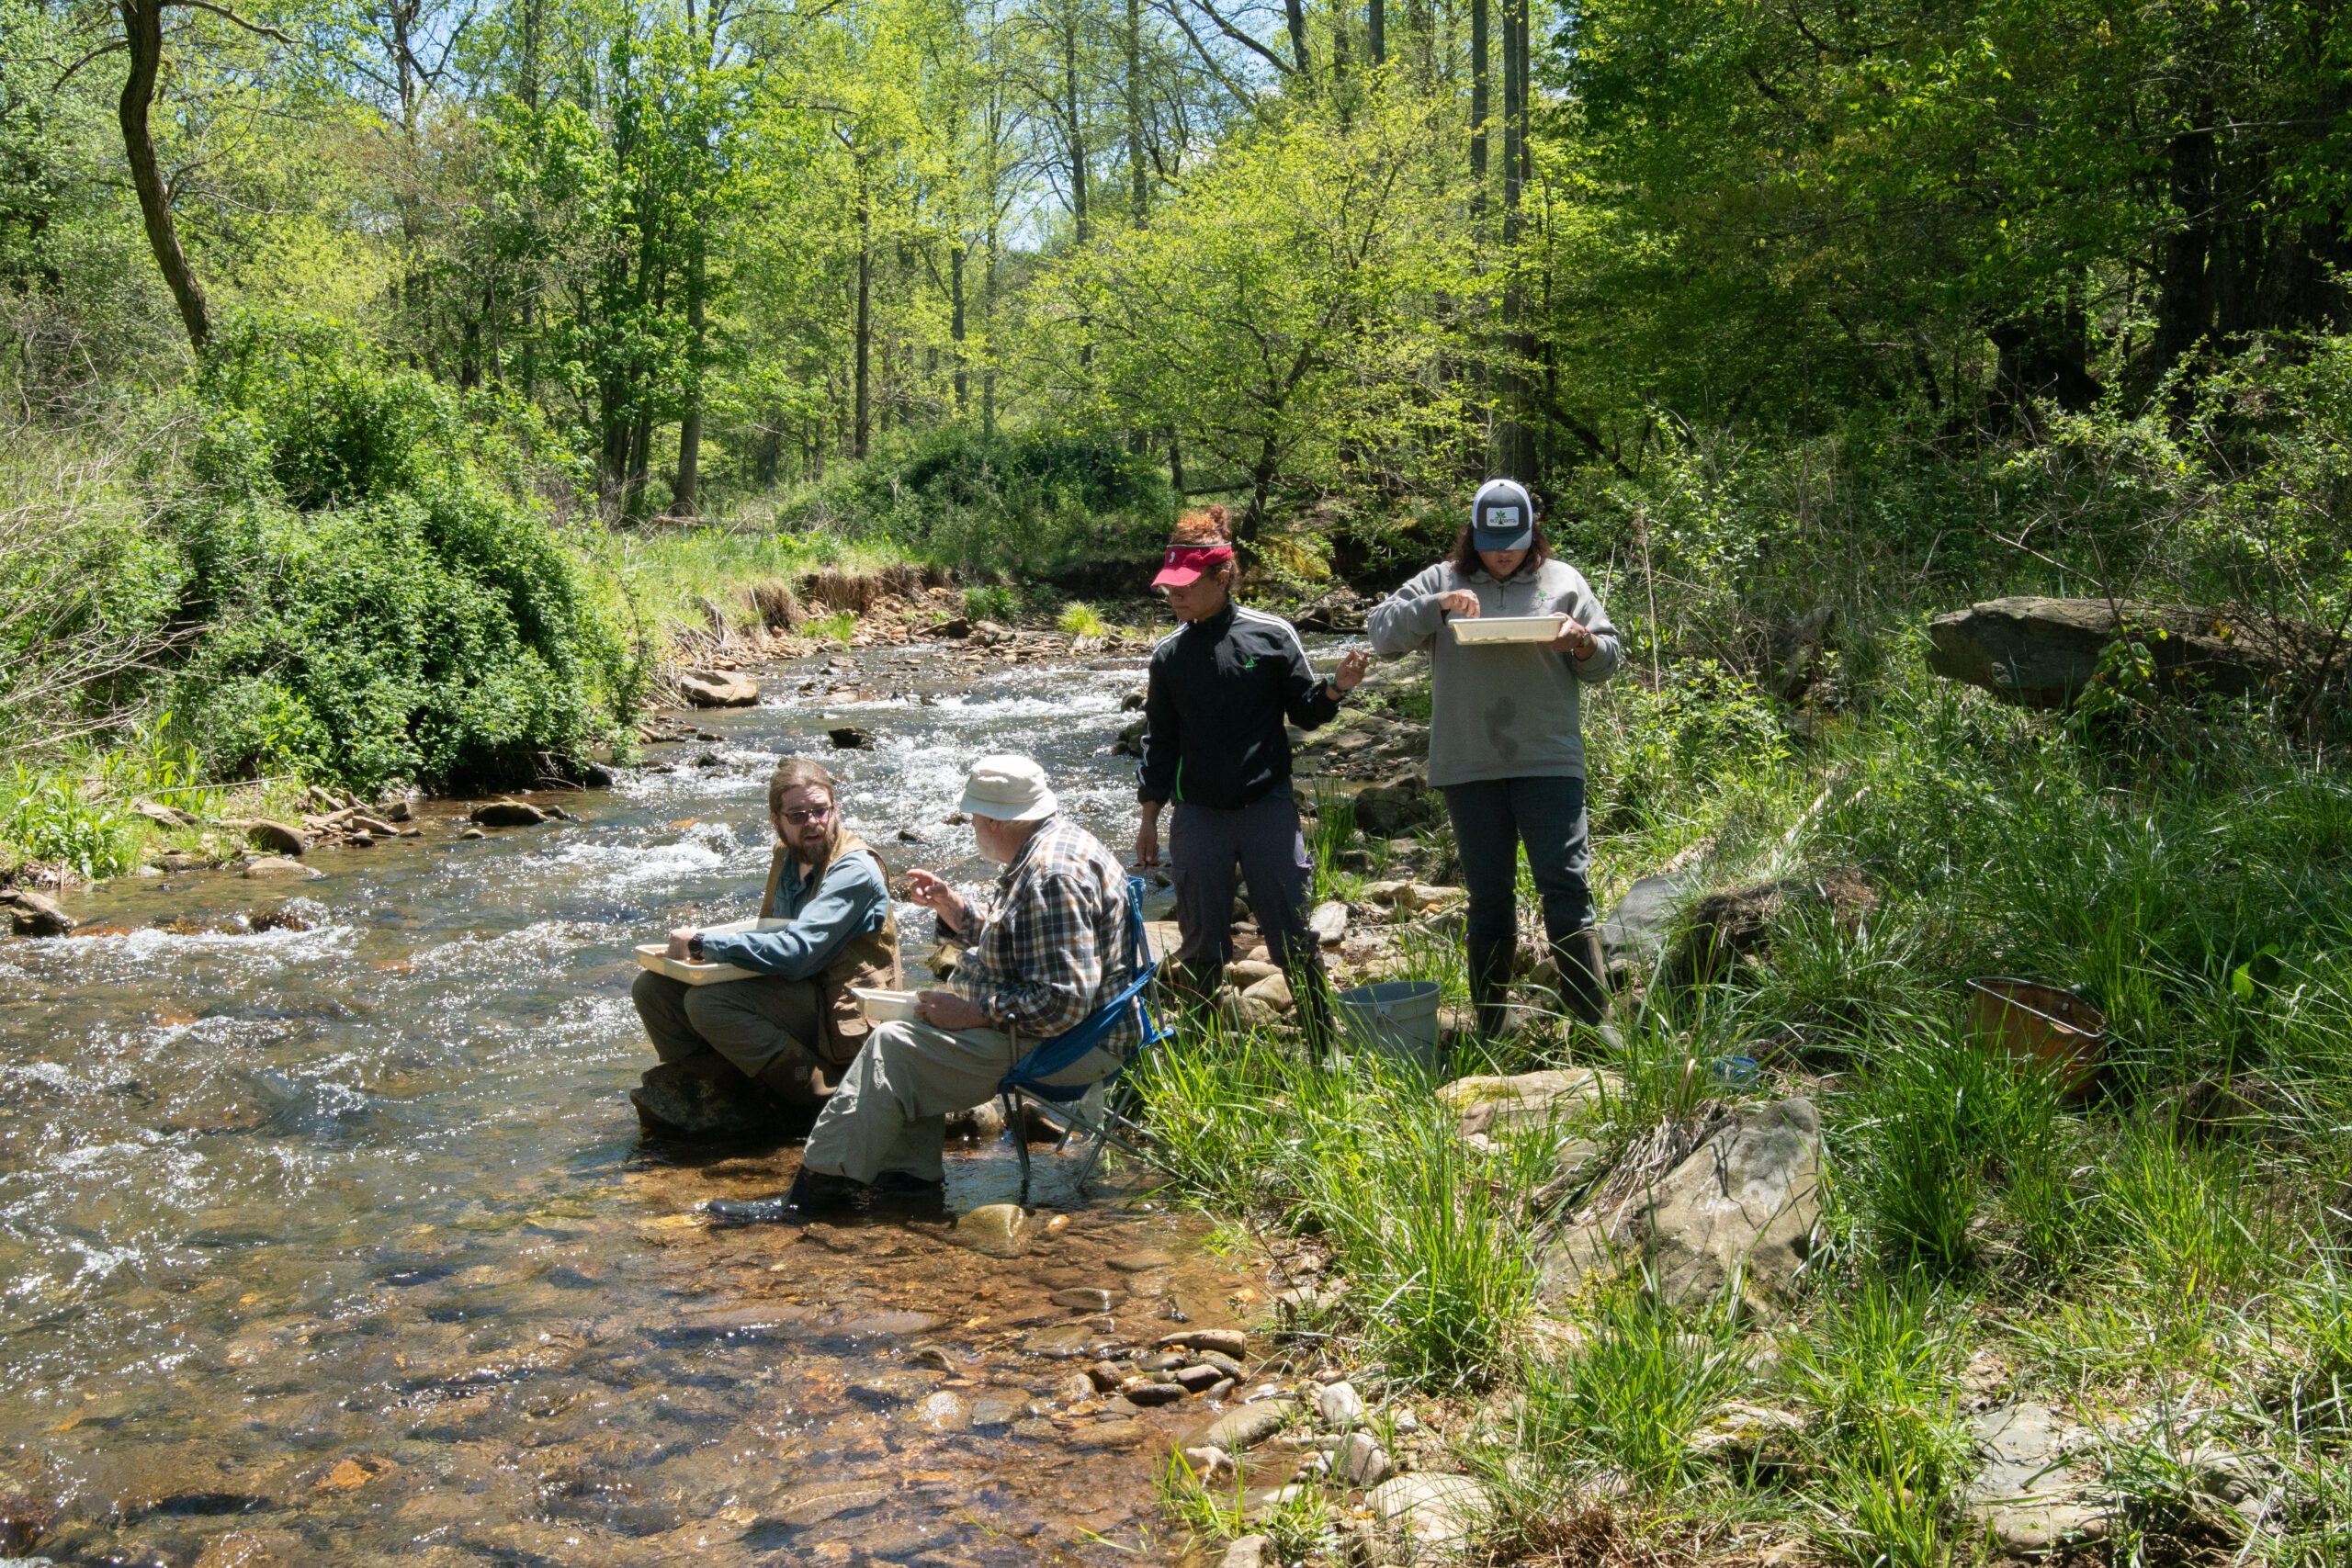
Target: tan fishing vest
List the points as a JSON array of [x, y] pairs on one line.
[[871, 960]]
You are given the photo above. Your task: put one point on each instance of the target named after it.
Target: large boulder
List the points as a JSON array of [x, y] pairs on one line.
[[718, 689], [1392, 810], [2042, 652], [1726, 1205], [1421, 1518], [1634, 933]]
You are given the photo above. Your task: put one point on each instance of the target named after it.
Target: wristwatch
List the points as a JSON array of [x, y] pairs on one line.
[[693, 948], [1331, 684]]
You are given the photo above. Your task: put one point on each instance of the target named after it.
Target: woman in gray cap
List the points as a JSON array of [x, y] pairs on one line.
[[1506, 742]]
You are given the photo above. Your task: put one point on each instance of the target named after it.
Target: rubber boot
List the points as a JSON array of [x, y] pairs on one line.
[[1490, 961], [1584, 976], [812, 1192]]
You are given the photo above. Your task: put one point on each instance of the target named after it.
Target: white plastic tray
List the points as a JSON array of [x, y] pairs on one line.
[[1507, 629], [655, 955], [884, 1007]]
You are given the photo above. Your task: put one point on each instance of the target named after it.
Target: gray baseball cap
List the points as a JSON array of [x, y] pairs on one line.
[[1502, 517]]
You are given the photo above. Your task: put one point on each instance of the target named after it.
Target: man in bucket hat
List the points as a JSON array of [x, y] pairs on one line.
[[1214, 746], [1041, 953]]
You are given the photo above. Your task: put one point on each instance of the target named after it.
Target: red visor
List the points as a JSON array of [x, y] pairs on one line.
[[1185, 563]]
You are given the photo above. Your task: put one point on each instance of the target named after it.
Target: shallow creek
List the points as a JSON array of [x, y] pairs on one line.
[[341, 1242]]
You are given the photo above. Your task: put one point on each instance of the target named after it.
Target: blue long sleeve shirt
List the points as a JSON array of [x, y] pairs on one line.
[[827, 913]]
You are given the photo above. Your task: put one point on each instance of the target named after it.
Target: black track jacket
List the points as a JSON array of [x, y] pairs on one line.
[[1213, 710]]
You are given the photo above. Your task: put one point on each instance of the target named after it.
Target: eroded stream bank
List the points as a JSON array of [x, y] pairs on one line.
[[338, 1237]]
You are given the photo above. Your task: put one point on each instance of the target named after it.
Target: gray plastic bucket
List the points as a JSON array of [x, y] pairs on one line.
[[1397, 1019]]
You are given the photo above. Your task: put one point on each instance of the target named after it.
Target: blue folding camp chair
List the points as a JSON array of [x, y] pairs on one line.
[[1023, 1084]]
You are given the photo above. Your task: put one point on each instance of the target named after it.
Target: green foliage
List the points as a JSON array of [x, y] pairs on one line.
[[841, 626], [385, 602], [1033, 500], [47, 818], [1079, 620], [990, 602]]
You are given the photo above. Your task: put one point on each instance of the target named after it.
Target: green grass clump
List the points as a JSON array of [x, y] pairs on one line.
[[1079, 619], [841, 626], [990, 602]]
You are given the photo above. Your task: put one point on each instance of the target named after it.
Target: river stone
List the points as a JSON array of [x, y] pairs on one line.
[[1142, 1261], [1207, 1464], [1428, 1518], [1113, 1434], [1490, 1105], [508, 814], [1107, 1375], [1273, 991], [1145, 1392], [1339, 1404], [997, 1410], [1082, 1299], [1245, 1425], [822, 1500], [1066, 1342], [1219, 1362], [1360, 1461], [162, 815], [944, 1412], [999, 1230], [35, 914], [1329, 922], [1251, 1551], [266, 868], [1384, 811], [1244, 973], [1742, 1207], [1193, 1379], [1035, 1427], [849, 737], [718, 689], [1224, 1341], [2024, 1491], [1077, 1388], [276, 836]]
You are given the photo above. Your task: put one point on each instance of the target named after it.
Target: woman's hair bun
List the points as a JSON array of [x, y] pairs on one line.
[[1203, 526]]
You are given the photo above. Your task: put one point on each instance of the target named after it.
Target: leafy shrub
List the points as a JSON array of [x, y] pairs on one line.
[[1079, 620], [989, 602], [386, 601], [47, 818]]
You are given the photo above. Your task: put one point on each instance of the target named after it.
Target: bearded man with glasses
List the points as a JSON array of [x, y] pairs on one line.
[[761, 1055]]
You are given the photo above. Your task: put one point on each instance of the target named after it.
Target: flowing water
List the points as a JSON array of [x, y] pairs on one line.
[[335, 1239]]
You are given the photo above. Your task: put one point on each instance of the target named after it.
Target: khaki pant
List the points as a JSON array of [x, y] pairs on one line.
[[890, 1112], [752, 1023]]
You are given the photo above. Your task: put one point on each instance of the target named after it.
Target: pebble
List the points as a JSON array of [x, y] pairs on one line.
[[1084, 1299], [1145, 1392], [1208, 1464], [1251, 1551], [1221, 1361], [1341, 1406], [998, 1230], [944, 1412], [1359, 1462], [994, 1412], [1242, 1427], [1199, 1379], [268, 867], [1224, 1341], [1106, 1376], [1141, 1261], [1033, 1426], [1077, 1387]]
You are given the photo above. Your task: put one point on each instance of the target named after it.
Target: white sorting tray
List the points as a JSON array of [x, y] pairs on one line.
[[655, 955], [1507, 629]]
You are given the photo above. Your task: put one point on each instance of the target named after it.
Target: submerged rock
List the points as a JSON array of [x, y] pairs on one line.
[[999, 1230], [276, 836], [267, 868], [508, 814], [35, 914]]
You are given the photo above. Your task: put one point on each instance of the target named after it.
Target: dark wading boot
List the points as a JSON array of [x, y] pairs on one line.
[[674, 1100], [906, 1192], [813, 1193], [1490, 961], [1584, 984], [794, 1088]]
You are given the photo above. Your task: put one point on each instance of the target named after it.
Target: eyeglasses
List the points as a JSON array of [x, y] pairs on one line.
[[803, 817]]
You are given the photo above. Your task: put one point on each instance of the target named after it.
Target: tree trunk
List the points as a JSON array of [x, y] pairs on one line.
[[955, 322], [142, 28], [1075, 128], [1514, 430], [987, 314], [1175, 461], [767, 455], [1477, 106], [1294, 16], [685, 495], [862, 416], [1376, 32], [640, 456], [1139, 192]]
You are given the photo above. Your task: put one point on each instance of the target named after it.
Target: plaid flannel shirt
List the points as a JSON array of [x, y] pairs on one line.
[[1050, 944]]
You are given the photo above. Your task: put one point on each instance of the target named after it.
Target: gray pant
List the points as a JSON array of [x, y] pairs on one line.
[[752, 1023], [1205, 845], [890, 1112], [1491, 818]]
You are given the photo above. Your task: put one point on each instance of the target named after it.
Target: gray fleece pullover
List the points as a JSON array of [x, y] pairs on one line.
[[1499, 710]]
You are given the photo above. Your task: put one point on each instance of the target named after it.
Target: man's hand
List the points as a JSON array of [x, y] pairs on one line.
[[1353, 664], [679, 938], [1147, 839], [938, 898], [1462, 602], [1574, 640], [949, 1010]]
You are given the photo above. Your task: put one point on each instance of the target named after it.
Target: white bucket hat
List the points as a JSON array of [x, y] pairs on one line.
[[1008, 788]]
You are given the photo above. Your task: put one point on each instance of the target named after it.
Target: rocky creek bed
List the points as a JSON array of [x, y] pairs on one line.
[[326, 1229]]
